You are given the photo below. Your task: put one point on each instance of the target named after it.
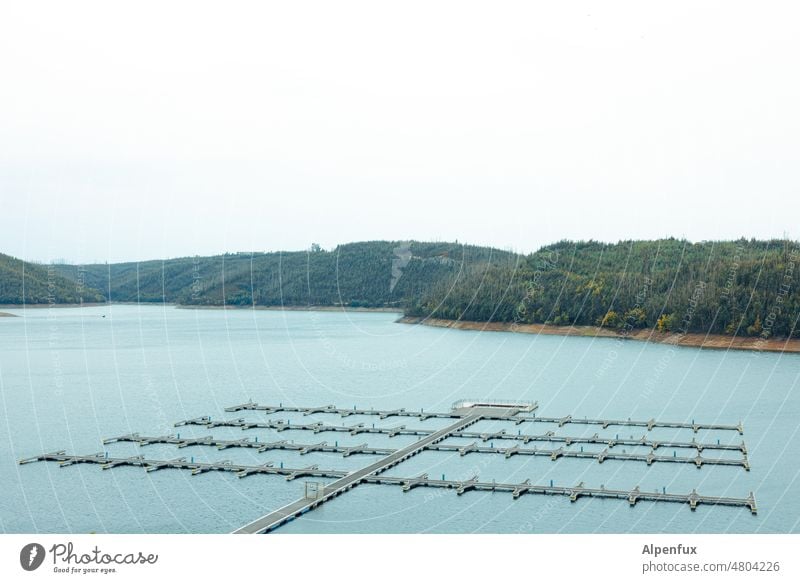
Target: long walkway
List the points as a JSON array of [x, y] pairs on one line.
[[291, 511], [462, 415]]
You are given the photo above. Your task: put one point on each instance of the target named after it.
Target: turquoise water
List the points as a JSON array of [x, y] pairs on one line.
[[70, 377]]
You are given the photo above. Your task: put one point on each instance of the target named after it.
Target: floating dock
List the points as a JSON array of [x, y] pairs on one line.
[[259, 446], [507, 411], [346, 481], [554, 454], [550, 436], [495, 410], [291, 511], [600, 456], [633, 496], [462, 415], [180, 463]]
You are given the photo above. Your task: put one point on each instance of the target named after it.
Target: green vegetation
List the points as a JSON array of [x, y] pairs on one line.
[[369, 274], [736, 287], [22, 282], [745, 287]]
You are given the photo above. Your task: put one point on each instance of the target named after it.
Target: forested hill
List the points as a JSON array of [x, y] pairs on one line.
[[22, 282], [367, 274], [746, 287]]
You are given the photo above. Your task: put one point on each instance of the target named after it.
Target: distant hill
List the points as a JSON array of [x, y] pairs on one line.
[[367, 274], [22, 282], [745, 287]]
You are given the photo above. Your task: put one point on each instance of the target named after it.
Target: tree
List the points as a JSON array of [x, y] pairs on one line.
[[665, 322], [611, 320], [756, 328]]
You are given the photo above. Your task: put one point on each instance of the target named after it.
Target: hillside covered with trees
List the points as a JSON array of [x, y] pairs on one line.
[[745, 287], [22, 282], [368, 274]]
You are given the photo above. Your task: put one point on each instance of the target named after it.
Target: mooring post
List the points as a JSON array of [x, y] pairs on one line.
[[442, 477], [551, 483]]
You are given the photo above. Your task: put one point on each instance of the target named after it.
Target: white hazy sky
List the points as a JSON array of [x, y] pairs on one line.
[[163, 129]]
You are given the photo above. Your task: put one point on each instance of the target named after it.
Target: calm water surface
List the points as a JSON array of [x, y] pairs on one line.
[[70, 377]]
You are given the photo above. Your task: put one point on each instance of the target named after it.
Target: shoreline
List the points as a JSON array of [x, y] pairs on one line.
[[691, 340], [289, 308], [292, 308], [44, 306]]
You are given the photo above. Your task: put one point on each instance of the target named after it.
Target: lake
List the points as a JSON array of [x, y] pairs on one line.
[[70, 377]]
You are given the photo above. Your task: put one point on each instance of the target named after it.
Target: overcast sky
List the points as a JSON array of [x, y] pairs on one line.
[[162, 130]]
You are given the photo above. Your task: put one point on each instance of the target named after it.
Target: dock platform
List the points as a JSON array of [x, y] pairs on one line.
[[462, 416]]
